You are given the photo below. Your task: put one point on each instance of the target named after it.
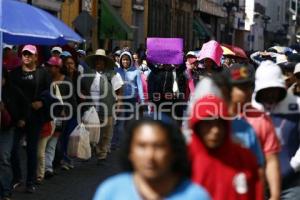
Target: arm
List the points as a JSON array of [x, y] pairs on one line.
[[255, 57], [273, 175]]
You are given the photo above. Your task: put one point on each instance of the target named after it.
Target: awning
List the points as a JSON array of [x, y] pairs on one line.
[[112, 26], [200, 28]]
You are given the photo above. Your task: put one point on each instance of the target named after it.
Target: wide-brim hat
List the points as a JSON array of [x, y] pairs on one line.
[[100, 53]]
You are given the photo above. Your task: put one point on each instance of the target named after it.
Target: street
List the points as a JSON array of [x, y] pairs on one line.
[[77, 184]]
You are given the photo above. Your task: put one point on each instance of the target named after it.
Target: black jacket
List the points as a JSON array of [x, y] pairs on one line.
[[15, 103]]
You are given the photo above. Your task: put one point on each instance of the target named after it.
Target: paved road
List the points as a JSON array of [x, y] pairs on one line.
[[77, 184]]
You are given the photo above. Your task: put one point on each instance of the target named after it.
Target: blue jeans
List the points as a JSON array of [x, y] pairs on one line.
[[6, 176], [120, 125], [292, 193], [50, 153]]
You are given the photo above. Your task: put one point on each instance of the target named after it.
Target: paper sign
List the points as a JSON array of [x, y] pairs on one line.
[[165, 50]]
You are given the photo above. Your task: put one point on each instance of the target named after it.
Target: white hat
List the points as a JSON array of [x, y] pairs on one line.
[[90, 60], [297, 69], [8, 46], [267, 75], [191, 53], [59, 49], [280, 59]]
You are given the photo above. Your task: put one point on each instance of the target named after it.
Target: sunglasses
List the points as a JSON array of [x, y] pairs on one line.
[[297, 76], [26, 53]]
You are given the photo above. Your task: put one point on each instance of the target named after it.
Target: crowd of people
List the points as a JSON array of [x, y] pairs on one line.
[[219, 126]]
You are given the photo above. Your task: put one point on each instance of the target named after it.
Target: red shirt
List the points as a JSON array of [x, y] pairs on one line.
[[264, 128]]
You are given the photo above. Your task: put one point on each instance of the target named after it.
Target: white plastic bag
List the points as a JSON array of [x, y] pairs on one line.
[[92, 124], [79, 143]]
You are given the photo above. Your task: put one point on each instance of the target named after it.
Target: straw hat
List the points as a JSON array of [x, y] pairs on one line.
[[100, 53]]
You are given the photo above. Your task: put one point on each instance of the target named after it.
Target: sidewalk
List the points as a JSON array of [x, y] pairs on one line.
[[77, 184]]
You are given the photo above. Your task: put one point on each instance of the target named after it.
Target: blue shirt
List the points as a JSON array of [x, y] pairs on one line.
[[244, 134], [133, 87], [122, 187]]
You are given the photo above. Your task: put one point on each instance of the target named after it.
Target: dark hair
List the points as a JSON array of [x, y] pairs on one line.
[[174, 134], [64, 69]]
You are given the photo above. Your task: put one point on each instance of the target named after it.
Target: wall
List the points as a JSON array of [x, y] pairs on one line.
[[69, 11]]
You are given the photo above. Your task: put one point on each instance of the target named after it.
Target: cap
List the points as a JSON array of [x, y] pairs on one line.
[[81, 52], [297, 69], [7, 46], [65, 54], [118, 53], [59, 49], [191, 54], [55, 61], [241, 73], [31, 48]]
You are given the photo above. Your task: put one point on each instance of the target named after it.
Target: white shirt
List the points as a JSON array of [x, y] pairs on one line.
[[95, 89]]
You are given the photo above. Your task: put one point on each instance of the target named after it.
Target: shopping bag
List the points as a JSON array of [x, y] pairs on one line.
[[92, 124], [79, 143]]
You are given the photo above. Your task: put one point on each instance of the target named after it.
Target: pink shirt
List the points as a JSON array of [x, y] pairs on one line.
[[265, 131]]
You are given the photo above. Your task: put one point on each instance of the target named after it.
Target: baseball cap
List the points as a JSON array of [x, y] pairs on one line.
[[55, 61], [31, 48], [241, 73], [191, 54], [297, 69], [118, 53], [81, 52], [65, 54], [59, 49]]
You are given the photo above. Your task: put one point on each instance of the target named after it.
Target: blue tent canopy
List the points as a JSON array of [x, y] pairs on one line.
[[22, 23]]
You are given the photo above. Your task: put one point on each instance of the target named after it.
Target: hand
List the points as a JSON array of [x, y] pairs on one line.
[[37, 105], [21, 123]]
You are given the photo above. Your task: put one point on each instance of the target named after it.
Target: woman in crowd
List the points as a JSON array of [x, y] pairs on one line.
[[70, 69], [224, 168], [154, 160], [33, 81], [11, 118]]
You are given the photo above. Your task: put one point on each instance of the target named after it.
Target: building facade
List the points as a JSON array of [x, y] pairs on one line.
[[171, 18], [213, 17], [267, 22]]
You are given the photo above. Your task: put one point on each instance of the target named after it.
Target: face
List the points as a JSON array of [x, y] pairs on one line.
[[270, 96], [28, 58], [191, 60], [211, 132], [53, 70], [117, 58], [70, 65], [125, 61], [290, 80], [208, 63], [150, 152], [99, 64], [56, 54], [241, 93], [297, 77], [135, 58]]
